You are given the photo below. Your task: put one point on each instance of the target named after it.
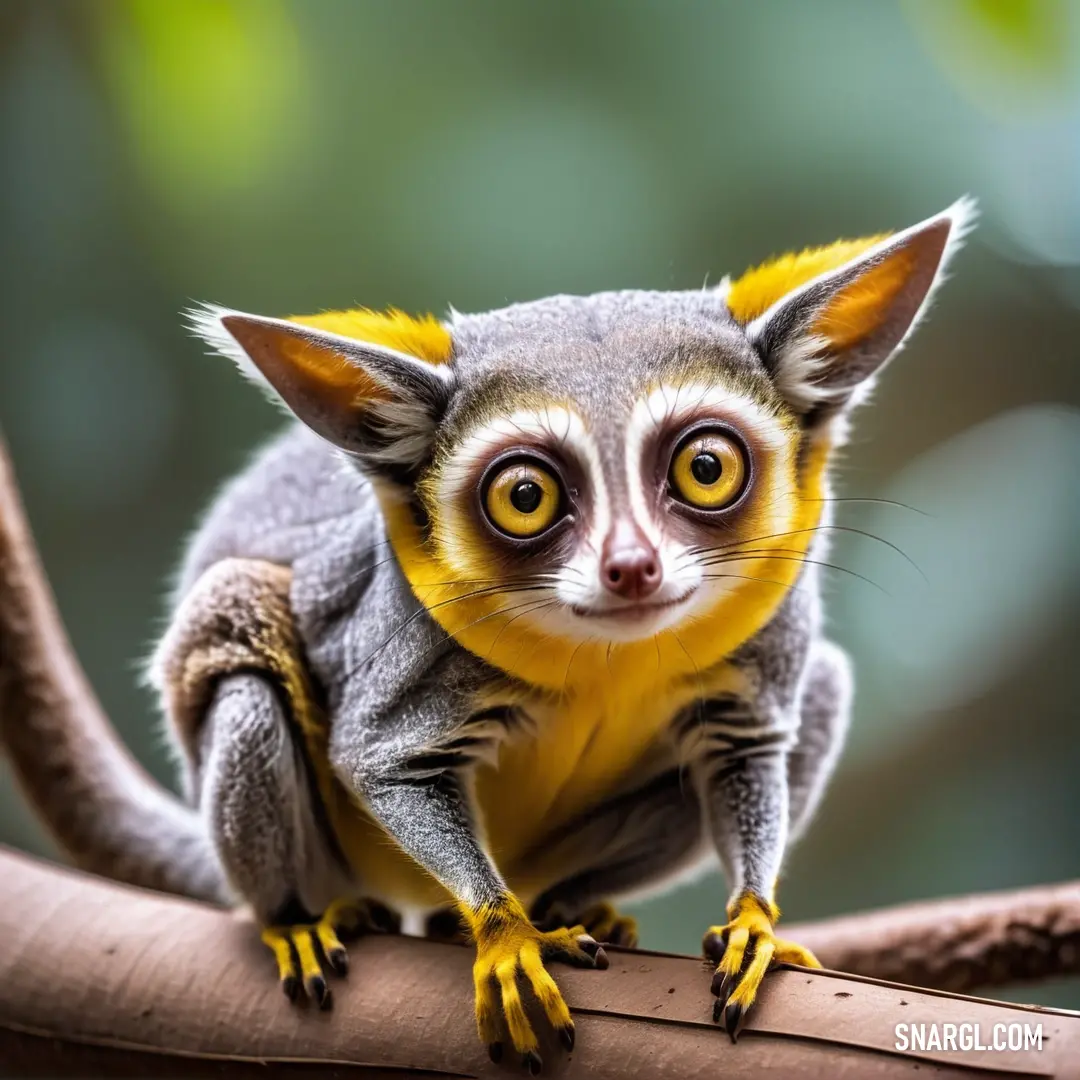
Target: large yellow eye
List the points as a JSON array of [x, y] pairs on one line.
[[522, 500], [708, 471]]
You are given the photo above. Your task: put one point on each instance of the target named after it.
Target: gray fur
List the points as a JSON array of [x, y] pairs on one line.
[[738, 747], [639, 841], [399, 691], [601, 352], [392, 705], [257, 801], [825, 709], [381, 754]]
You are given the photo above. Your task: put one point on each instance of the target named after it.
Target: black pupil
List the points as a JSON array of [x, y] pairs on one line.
[[525, 496], [706, 468]]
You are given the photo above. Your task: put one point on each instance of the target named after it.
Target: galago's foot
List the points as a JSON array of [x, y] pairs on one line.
[[601, 921], [744, 949], [508, 945], [301, 948]]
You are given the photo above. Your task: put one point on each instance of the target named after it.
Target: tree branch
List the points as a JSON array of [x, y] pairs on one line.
[[960, 944], [97, 977], [138, 982]]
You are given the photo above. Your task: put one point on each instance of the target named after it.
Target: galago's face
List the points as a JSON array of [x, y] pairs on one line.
[[616, 467], [630, 502]]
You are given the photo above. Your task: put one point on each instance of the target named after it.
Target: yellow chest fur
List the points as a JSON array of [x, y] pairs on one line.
[[574, 753]]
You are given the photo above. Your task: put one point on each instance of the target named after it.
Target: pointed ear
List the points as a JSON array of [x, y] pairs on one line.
[[374, 401], [826, 320]]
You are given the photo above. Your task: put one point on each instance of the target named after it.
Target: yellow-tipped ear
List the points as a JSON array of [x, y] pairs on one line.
[[759, 288], [421, 336], [859, 309], [304, 368], [372, 384], [825, 320]]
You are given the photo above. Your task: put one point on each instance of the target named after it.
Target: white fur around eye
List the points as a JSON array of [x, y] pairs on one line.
[[669, 406], [666, 407], [555, 426]]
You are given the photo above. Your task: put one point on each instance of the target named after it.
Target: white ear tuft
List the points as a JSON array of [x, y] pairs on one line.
[[205, 322], [964, 214]]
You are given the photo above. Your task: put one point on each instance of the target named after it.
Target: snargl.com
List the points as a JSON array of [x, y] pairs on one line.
[[961, 1037]]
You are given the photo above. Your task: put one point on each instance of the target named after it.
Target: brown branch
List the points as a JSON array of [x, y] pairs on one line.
[[98, 977], [960, 944]]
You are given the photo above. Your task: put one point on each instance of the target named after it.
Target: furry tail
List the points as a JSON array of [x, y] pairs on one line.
[[102, 808]]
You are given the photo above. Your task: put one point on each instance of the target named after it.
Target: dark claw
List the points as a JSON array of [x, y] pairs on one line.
[[713, 946], [291, 986], [588, 945], [495, 1050], [732, 1016], [717, 1010], [721, 985], [566, 1034], [594, 955], [532, 1061], [338, 959], [318, 991]]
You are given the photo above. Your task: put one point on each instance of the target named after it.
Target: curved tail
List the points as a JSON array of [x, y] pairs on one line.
[[108, 814]]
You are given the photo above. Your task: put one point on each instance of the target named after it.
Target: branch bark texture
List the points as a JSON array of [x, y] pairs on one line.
[[962, 944], [96, 977]]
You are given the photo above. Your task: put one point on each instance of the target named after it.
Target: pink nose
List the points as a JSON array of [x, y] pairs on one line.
[[629, 564]]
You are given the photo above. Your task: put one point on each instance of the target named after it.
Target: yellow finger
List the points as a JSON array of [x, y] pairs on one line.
[[487, 1011], [747, 989], [278, 943], [521, 1033], [787, 952], [574, 946], [332, 948], [732, 960], [342, 915], [314, 982], [547, 993]]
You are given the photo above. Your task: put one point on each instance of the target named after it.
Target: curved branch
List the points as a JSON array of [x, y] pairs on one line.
[[105, 978], [960, 944]]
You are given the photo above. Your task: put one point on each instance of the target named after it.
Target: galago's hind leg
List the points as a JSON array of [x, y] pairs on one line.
[[263, 819], [237, 694]]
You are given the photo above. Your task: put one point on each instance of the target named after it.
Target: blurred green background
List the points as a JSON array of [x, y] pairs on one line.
[[292, 156]]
